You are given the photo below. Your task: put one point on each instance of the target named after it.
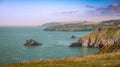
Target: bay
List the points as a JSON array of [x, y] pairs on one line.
[[55, 44]]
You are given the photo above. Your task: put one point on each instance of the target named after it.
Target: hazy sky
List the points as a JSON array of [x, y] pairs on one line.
[[36, 12]]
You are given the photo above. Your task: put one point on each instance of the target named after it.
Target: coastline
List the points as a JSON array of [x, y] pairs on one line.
[[98, 60]]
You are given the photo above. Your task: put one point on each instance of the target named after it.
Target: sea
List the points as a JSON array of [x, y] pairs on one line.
[[55, 44]]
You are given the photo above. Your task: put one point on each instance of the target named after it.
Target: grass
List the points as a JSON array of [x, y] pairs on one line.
[[97, 60], [109, 49], [106, 32]]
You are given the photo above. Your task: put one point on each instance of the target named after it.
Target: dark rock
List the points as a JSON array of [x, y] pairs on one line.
[[73, 36], [99, 29], [75, 44], [32, 43]]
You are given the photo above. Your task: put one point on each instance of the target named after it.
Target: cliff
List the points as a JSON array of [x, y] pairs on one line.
[[100, 37]]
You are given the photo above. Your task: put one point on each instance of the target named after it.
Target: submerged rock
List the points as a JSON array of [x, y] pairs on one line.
[[76, 44], [73, 36], [32, 43]]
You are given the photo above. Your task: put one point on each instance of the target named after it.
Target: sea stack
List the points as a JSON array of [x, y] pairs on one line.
[[32, 42]]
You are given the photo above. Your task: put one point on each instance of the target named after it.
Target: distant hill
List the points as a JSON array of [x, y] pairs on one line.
[[50, 24], [110, 23], [71, 27], [82, 26]]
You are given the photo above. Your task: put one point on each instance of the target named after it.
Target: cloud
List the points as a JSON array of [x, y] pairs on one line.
[[88, 12], [70, 12], [89, 6], [111, 10]]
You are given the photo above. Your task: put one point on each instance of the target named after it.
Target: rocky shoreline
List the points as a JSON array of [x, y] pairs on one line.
[[100, 37]]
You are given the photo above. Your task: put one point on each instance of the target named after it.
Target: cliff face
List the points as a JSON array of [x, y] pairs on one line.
[[100, 37]]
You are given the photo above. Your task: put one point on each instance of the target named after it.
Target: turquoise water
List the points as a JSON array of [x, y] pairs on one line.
[[55, 44]]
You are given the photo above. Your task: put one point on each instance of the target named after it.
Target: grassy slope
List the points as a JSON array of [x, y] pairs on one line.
[[106, 32], [110, 49], [98, 60], [105, 35]]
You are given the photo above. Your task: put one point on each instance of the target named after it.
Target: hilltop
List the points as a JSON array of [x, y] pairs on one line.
[[110, 23], [50, 24]]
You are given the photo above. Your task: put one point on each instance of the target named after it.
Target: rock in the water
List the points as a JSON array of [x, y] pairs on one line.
[[32, 43], [75, 45], [73, 36]]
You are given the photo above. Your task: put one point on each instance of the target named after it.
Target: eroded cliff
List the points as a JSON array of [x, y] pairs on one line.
[[107, 35]]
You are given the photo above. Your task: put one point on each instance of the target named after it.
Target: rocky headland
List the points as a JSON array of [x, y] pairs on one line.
[[100, 37]]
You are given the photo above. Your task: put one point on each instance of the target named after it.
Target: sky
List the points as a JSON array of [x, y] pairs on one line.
[[37, 12]]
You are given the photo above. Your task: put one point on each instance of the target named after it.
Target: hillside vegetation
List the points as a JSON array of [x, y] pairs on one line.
[[82, 26], [102, 36], [110, 23], [110, 49], [71, 27]]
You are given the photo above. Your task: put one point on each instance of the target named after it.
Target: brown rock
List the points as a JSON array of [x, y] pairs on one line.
[[32, 43], [101, 37]]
